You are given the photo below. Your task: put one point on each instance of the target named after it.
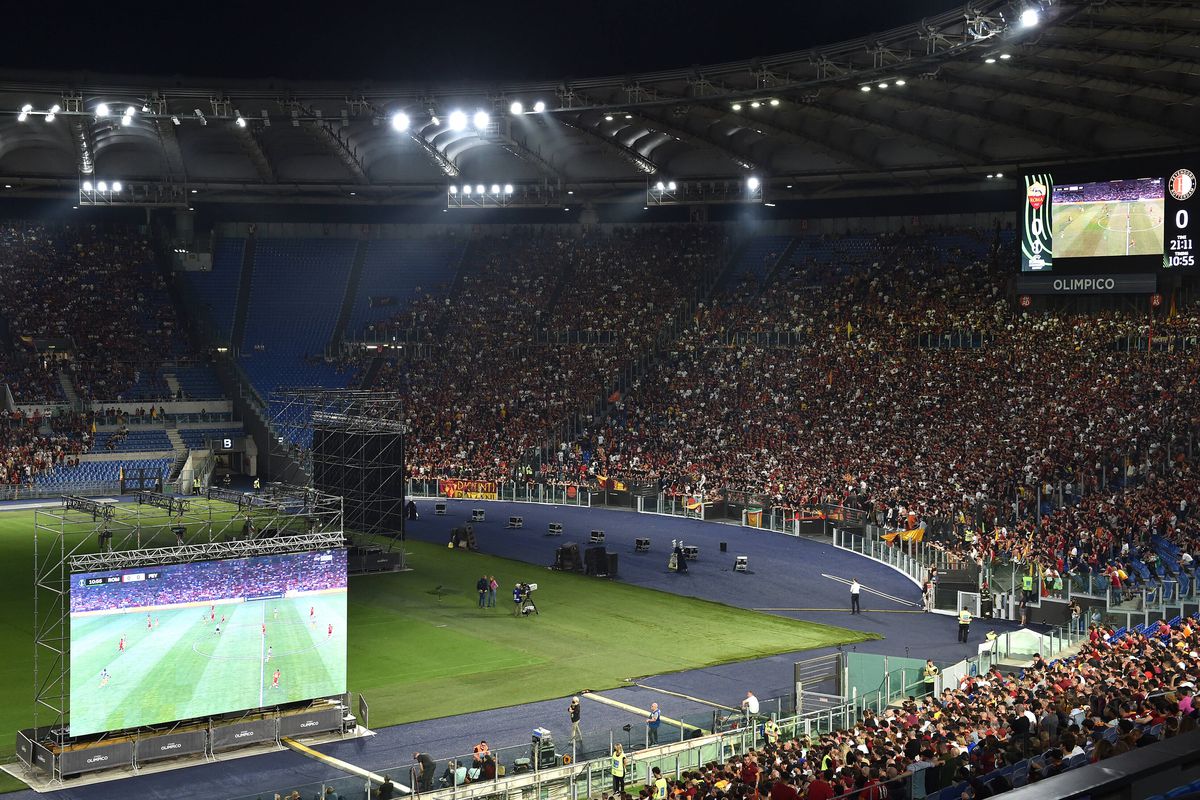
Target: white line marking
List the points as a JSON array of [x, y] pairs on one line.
[[262, 657], [866, 588]]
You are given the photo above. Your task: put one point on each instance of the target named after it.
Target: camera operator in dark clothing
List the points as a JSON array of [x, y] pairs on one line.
[[426, 767]]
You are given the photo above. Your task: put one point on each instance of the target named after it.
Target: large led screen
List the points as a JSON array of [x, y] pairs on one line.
[[157, 644]]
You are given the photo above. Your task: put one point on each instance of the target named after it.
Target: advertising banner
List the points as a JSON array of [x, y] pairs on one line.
[[88, 759], [242, 733], [169, 745], [316, 721], [469, 490]]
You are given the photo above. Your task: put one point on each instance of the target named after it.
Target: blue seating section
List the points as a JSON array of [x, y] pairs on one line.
[[759, 258], [197, 438], [397, 268], [295, 299], [91, 471], [216, 291], [199, 382], [136, 441]]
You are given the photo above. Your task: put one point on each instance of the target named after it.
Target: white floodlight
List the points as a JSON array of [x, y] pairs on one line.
[[883, 85], [660, 187], [25, 109], [999, 174], [516, 108], [116, 187], [54, 109], [479, 189], [755, 104], [175, 119], [774, 101], [126, 120], [466, 188], [608, 117], [671, 186], [864, 88], [400, 121], [752, 183], [102, 110], [453, 190], [130, 111], [101, 187], [900, 81], [1029, 17], [240, 121], [508, 188], [480, 120], [434, 121], [736, 106], [458, 120], [539, 106], [629, 116], [87, 186], [990, 176], [495, 188], [989, 60]]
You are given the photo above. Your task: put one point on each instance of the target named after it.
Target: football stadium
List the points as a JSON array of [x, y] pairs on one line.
[[601, 402]]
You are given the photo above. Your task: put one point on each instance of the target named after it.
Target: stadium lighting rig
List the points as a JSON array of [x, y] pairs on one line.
[[502, 195], [667, 192]]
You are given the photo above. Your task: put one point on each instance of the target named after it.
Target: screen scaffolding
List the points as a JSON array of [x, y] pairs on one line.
[[86, 535], [348, 442]]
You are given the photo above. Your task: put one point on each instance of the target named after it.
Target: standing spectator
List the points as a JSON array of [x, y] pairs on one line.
[[652, 723], [931, 674], [618, 770], [481, 586], [855, 590], [573, 713], [493, 585]]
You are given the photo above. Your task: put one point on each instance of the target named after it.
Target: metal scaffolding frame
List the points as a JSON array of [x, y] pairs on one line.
[[86, 535], [359, 436]]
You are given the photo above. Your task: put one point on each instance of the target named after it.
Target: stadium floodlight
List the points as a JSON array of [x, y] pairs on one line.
[[774, 101], [434, 121], [116, 186], [495, 188], [453, 189], [883, 85], [671, 186], [54, 109], [175, 119], [755, 104], [1029, 18], [102, 110], [989, 60], [87, 186], [999, 174], [736, 106], [240, 121], [400, 121], [126, 121], [516, 108], [629, 116], [990, 175], [458, 120], [864, 88], [752, 183], [608, 117], [481, 120], [24, 115], [1005, 56], [900, 81], [508, 188], [479, 189], [539, 107], [101, 187], [466, 188], [130, 111], [660, 187]]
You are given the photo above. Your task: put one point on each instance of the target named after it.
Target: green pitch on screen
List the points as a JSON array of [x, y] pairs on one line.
[[175, 664], [1108, 229]]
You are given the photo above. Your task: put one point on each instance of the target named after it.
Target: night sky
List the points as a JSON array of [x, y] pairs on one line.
[[432, 42]]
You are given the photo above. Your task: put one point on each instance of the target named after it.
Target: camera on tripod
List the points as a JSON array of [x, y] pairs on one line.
[[525, 599]]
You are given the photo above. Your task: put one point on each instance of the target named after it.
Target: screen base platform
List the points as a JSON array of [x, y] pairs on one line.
[[49, 761]]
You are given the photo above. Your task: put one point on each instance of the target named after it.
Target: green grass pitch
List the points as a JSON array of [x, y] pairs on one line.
[[418, 654], [1108, 229]]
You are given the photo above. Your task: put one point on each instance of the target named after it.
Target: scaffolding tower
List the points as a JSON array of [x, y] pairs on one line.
[[349, 442], [86, 535]]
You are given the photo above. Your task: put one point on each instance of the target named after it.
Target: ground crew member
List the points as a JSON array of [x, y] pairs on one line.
[[1027, 587], [931, 673], [771, 732], [618, 770], [964, 624], [257, 484]]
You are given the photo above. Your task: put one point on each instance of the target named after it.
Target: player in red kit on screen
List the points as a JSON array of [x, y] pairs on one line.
[[275, 680]]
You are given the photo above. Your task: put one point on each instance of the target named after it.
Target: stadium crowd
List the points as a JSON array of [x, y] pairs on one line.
[[1110, 192], [98, 289], [210, 581], [27, 449]]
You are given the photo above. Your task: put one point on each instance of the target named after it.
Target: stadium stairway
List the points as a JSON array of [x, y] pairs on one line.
[[68, 389], [773, 271], [243, 295], [181, 451], [172, 381], [356, 271]]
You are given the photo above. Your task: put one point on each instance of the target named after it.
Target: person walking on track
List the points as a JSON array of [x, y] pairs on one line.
[[964, 624]]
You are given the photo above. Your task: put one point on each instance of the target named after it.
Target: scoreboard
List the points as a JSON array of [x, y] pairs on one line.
[[1089, 220]]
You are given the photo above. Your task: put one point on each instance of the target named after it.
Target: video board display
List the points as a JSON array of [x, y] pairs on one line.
[[180, 641]]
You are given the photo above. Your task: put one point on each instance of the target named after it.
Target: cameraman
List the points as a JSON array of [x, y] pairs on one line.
[[519, 594]]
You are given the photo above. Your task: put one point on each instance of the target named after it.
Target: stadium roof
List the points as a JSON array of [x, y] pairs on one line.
[[934, 105]]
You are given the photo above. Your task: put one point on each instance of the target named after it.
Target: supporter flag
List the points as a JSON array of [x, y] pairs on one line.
[[754, 517], [849, 329], [611, 484], [1173, 312], [93, 424], [914, 535]]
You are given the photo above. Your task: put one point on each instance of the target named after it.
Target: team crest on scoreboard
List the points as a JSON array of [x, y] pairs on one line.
[[1182, 184], [1037, 195]]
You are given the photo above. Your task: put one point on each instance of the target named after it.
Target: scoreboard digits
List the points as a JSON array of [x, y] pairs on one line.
[[1180, 243]]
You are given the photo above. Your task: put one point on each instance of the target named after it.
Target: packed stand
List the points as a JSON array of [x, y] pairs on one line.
[[34, 445], [97, 287]]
